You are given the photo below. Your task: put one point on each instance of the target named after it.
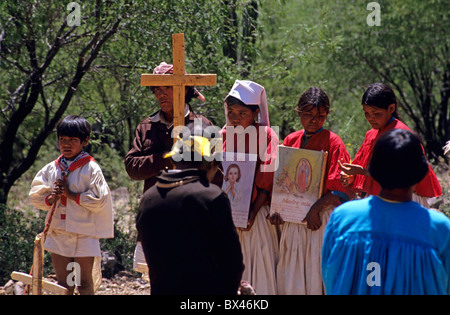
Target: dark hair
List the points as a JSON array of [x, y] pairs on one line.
[[231, 100], [380, 95], [313, 96], [398, 160], [74, 126]]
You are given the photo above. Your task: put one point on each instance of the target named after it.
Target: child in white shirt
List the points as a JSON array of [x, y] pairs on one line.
[[83, 212]]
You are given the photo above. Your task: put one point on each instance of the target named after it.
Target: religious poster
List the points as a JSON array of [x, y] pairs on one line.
[[298, 182], [238, 178]]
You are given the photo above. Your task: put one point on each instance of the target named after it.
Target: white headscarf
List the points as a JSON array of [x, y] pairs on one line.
[[251, 93]]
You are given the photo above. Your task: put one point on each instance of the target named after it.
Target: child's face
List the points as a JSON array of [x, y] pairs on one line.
[[313, 118], [70, 147], [378, 117], [239, 115], [233, 175]]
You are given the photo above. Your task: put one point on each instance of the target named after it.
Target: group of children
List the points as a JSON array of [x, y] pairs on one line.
[[290, 262], [279, 257]]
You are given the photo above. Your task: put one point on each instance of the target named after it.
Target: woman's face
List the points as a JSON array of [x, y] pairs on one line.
[[312, 118], [233, 174], [378, 117], [239, 115]]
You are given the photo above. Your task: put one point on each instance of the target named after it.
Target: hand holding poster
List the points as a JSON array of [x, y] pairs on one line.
[[239, 174], [298, 182]]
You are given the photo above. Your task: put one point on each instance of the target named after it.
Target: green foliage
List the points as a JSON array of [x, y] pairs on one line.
[[297, 40], [122, 246], [408, 51], [17, 232]]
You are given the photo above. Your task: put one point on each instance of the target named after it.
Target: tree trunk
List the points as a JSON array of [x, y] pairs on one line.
[[249, 19], [230, 49]]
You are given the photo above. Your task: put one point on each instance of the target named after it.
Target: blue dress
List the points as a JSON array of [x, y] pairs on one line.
[[372, 246]]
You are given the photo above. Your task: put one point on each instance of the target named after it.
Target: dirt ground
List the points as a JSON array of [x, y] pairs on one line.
[[123, 283]]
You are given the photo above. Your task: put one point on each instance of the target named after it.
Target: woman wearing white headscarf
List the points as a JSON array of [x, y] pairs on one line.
[[246, 107]]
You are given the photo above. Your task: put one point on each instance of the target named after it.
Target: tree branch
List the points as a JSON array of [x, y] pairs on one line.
[[24, 165]]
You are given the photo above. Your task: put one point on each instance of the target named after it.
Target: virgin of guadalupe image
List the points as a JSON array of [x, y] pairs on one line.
[[303, 175]]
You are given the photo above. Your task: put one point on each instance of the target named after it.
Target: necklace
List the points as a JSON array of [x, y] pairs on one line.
[[389, 200], [307, 136]]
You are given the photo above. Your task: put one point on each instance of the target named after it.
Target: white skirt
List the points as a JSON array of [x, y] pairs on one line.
[[299, 268], [260, 251], [71, 244]]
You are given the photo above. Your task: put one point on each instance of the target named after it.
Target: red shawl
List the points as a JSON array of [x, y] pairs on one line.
[[428, 187]]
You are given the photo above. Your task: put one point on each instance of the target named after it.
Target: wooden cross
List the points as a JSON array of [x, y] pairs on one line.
[[179, 80]]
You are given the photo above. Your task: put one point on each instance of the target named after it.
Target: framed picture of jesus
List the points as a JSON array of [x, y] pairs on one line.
[[298, 182]]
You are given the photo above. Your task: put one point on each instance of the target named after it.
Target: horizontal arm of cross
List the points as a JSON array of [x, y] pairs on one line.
[[178, 79]]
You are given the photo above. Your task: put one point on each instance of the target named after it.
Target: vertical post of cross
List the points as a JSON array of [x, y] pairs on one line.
[[178, 90]]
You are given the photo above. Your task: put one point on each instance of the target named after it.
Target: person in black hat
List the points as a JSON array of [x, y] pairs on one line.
[[189, 239]]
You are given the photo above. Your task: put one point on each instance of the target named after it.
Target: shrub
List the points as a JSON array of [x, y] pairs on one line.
[[17, 232]]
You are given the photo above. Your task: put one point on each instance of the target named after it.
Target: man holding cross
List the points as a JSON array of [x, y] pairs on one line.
[[174, 89], [153, 137]]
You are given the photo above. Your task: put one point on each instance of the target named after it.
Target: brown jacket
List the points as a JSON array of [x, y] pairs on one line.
[[152, 140]]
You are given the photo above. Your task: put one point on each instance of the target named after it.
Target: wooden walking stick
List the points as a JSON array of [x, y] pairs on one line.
[[37, 269]]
